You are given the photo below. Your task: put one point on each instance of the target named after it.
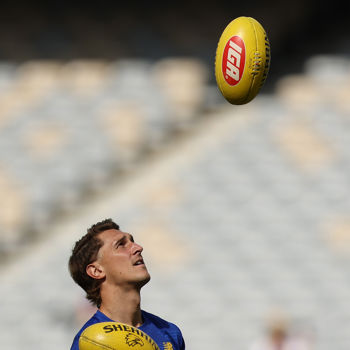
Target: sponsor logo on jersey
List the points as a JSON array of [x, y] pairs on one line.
[[233, 60]]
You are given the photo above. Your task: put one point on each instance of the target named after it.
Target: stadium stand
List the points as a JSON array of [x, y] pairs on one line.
[[241, 210], [71, 126]]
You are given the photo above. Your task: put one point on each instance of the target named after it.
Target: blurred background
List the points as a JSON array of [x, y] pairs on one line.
[[110, 109]]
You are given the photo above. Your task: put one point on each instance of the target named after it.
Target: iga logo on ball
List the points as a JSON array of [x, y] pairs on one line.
[[233, 60], [242, 60]]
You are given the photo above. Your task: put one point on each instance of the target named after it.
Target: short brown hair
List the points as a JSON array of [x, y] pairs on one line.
[[84, 253]]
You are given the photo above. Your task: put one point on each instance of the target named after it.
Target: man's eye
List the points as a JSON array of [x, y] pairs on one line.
[[120, 244]]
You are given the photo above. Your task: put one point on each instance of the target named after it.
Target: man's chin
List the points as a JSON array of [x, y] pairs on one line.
[[144, 281]]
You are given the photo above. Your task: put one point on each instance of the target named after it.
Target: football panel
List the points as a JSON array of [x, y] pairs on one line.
[[260, 60]]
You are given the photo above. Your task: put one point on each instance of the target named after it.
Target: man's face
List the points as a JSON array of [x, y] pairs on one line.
[[121, 260]]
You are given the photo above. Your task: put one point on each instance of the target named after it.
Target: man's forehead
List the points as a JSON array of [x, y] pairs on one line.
[[112, 234]]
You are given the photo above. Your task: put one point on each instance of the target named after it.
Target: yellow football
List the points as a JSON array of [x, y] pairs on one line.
[[115, 336], [242, 60]]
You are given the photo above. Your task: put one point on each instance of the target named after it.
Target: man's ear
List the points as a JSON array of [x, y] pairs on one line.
[[95, 270]]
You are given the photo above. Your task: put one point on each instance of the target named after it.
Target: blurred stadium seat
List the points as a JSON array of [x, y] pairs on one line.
[[71, 126], [246, 212]]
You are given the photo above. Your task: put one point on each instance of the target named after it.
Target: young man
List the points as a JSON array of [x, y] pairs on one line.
[[108, 265]]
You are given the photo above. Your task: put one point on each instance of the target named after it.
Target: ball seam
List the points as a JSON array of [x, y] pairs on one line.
[[103, 346], [248, 98]]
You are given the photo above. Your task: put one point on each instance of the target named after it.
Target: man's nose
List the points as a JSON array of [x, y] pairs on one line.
[[136, 248]]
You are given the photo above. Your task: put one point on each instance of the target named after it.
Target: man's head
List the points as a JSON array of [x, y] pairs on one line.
[[106, 255]]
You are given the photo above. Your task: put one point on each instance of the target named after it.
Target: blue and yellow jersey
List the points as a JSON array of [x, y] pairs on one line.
[[166, 334]]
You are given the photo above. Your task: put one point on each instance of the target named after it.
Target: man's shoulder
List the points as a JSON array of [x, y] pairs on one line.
[[155, 319], [159, 322], [162, 331], [96, 318]]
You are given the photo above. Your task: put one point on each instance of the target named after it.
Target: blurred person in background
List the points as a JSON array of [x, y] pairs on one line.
[[279, 337], [108, 265]]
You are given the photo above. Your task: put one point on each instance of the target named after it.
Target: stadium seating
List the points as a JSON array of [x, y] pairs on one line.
[[70, 127], [245, 213]]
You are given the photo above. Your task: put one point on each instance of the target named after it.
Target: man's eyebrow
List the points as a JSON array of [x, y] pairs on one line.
[[121, 239], [124, 237]]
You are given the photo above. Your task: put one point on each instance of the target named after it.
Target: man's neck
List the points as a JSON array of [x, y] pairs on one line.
[[122, 306]]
